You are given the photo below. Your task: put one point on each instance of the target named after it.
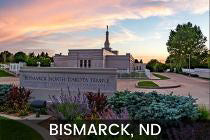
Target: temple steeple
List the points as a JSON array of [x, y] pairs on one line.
[[106, 43]]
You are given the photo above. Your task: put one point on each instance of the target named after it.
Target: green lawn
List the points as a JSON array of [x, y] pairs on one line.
[[147, 84], [4, 74], [14, 130], [162, 77]]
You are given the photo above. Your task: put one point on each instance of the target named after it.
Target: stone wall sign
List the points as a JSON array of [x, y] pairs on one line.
[[73, 78]]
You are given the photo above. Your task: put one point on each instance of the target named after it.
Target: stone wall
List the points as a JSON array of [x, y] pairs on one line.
[[121, 62], [86, 80]]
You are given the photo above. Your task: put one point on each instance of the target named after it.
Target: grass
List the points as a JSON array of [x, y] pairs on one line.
[[162, 77], [147, 84], [204, 112], [5, 74], [14, 130]]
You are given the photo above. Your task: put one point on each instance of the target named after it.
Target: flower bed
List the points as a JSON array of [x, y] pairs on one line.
[[170, 111]]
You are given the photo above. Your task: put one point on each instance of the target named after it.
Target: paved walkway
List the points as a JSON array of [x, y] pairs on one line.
[[166, 83], [196, 87], [152, 77]]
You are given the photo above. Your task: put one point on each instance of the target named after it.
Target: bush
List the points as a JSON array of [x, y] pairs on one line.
[[32, 61], [70, 111], [4, 89], [154, 107], [155, 66], [97, 102], [132, 75], [89, 106], [25, 111], [45, 62], [17, 100], [100, 109], [67, 107], [204, 113]]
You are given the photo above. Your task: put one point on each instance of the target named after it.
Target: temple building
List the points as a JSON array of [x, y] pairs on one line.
[[97, 58]]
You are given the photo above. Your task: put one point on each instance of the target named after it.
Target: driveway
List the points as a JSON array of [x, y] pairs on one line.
[[198, 88]]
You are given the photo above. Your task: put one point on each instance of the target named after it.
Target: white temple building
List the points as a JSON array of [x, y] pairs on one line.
[[98, 58]]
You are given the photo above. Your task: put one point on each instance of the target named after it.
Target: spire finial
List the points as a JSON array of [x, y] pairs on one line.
[[106, 43]]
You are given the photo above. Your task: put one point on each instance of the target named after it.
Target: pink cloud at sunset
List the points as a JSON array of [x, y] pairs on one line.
[[23, 21]]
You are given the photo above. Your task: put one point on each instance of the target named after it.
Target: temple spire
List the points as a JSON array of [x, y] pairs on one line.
[[106, 43]]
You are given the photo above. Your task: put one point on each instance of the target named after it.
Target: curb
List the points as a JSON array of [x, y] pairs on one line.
[[132, 78], [162, 87]]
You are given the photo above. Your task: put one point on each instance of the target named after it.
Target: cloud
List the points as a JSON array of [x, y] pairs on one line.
[[39, 23], [194, 6], [38, 17], [125, 35]]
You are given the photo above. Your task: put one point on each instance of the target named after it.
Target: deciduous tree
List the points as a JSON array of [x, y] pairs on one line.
[[187, 40]]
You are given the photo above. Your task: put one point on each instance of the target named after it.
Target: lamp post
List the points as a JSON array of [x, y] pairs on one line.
[[38, 64]]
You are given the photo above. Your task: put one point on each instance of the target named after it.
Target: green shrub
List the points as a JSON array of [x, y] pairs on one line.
[[70, 110], [23, 113], [204, 112], [155, 65], [133, 75], [4, 89], [67, 107], [155, 107]]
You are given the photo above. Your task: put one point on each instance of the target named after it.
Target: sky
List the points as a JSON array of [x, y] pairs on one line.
[[139, 27]]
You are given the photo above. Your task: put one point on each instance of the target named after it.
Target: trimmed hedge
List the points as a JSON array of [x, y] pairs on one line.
[[152, 107]]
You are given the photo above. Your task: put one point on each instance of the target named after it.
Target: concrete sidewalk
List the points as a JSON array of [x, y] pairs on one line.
[[166, 83], [198, 88], [152, 77]]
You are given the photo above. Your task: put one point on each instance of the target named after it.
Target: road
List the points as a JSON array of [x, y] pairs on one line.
[[198, 88]]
